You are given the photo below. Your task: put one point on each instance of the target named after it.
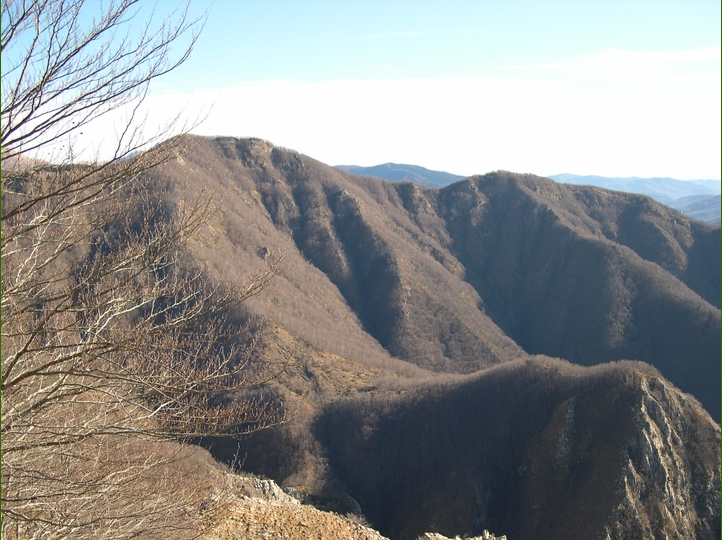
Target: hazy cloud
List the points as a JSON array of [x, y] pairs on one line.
[[470, 125], [621, 64]]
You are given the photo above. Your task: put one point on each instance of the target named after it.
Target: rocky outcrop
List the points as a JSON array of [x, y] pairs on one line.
[[486, 535], [649, 471], [259, 509], [664, 493]]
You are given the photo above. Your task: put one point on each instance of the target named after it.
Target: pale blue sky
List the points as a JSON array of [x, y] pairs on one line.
[[314, 40], [615, 88]]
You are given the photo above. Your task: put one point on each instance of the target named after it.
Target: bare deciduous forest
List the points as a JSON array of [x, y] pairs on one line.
[[504, 353]]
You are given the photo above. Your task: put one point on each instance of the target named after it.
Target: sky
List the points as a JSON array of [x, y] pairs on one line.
[[612, 88]]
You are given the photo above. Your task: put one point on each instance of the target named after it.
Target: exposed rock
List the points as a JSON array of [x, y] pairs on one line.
[[653, 473], [486, 535], [663, 492], [259, 509]]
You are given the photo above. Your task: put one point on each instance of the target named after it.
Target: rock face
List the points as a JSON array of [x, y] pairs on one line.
[[665, 493], [486, 535], [256, 509], [651, 474]]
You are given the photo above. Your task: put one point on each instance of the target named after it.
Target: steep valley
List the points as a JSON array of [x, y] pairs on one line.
[[412, 328]]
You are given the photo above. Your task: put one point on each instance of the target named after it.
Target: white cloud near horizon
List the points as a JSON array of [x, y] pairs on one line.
[[633, 65], [470, 125]]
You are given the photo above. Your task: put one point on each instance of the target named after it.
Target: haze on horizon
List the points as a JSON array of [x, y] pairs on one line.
[[615, 89]]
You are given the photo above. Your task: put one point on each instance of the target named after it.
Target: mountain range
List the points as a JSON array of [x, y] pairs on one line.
[[505, 352], [664, 190], [397, 172], [699, 199]]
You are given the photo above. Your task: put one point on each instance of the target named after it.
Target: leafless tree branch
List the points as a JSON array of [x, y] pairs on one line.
[[114, 348]]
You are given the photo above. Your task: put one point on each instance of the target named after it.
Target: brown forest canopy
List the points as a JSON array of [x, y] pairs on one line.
[[471, 275]]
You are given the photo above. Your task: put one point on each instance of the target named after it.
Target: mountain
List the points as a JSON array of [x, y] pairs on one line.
[[664, 190], [410, 329], [685, 196], [702, 207], [675, 193], [397, 172], [536, 449], [471, 275]]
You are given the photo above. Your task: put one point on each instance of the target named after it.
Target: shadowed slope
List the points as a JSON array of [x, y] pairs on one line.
[[544, 259], [537, 449], [363, 252]]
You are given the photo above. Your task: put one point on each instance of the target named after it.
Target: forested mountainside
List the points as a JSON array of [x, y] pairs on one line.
[[469, 276], [392, 297]]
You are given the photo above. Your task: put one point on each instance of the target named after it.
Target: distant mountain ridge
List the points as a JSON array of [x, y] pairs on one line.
[[397, 172], [698, 199], [700, 207], [664, 190]]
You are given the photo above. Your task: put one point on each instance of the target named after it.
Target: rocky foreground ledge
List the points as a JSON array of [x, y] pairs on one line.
[[253, 508], [486, 535]]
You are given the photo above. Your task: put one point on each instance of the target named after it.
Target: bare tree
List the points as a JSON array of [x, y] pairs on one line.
[[112, 345]]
